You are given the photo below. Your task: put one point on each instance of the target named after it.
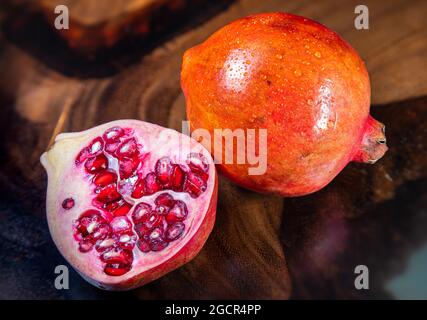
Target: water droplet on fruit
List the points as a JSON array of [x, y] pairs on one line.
[[298, 73]]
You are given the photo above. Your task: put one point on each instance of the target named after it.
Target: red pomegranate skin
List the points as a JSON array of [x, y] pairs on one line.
[[299, 80]]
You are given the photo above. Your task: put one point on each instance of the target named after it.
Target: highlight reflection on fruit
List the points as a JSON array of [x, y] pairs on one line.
[[129, 201], [297, 79]]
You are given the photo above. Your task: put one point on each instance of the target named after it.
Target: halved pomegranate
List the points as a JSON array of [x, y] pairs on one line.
[[129, 201]]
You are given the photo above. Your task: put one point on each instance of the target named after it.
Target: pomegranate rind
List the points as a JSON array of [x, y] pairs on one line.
[[59, 162]]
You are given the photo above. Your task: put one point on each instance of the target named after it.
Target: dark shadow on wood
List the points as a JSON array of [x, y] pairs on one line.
[[30, 31]]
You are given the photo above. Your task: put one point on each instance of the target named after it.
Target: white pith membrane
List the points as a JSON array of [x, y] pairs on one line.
[[66, 180]]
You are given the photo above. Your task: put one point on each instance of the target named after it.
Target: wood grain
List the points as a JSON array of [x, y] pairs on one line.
[[256, 237]]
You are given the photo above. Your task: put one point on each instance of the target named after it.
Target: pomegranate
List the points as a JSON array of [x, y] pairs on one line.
[[298, 80], [129, 201]]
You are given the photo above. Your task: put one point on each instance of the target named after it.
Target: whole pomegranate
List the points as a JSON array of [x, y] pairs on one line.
[[129, 201], [298, 80]]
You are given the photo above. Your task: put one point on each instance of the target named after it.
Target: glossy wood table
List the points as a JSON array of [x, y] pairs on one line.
[[262, 247]]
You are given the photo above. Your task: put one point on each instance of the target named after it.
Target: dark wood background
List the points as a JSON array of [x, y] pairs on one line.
[[124, 62]]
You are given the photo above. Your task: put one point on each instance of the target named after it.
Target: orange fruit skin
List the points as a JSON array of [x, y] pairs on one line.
[[294, 77]]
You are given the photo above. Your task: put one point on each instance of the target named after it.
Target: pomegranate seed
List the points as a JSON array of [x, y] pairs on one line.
[[154, 220], [116, 269], [128, 148], [103, 245], [117, 255], [158, 245], [80, 232], [152, 185], [85, 245], [122, 210], [86, 229], [121, 225], [68, 203], [125, 187], [143, 246], [203, 175], [108, 194], [141, 230], [163, 170], [109, 206], [102, 231], [113, 134], [87, 223], [178, 176], [127, 241], [83, 155], [162, 210], [177, 213], [94, 149], [138, 190], [92, 215], [165, 199], [96, 164], [86, 217], [127, 167], [197, 163], [104, 178], [155, 234], [141, 212], [174, 231], [112, 147], [194, 185], [96, 146]]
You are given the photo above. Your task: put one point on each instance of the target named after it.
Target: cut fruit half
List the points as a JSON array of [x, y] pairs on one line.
[[128, 201]]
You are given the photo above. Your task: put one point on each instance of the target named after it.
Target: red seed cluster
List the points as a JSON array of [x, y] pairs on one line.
[[161, 225], [108, 229], [171, 176]]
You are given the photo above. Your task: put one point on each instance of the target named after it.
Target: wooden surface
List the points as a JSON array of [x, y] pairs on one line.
[[262, 246]]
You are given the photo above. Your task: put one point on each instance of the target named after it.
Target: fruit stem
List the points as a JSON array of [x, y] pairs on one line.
[[373, 142]]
